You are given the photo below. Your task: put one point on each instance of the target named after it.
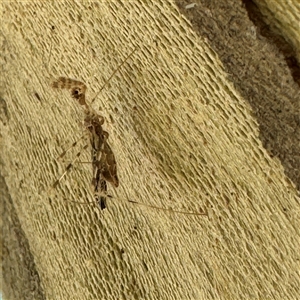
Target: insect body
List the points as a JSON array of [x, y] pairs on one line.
[[103, 159]]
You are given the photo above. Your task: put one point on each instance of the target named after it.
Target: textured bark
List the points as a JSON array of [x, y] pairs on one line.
[[184, 138], [283, 17]]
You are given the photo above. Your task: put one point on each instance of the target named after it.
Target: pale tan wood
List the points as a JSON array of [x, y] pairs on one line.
[[183, 139]]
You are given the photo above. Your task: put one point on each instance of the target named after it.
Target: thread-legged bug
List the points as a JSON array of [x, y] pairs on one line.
[[103, 160]]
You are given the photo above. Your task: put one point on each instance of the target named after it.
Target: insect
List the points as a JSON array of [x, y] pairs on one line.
[[103, 160]]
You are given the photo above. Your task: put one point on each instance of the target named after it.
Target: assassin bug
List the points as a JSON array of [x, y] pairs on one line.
[[103, 159]]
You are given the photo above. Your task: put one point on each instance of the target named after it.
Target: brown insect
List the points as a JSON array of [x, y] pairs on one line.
[[103, 159]]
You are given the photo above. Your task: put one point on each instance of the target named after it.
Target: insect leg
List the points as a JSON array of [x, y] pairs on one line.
[[69, 167], [70, 147]]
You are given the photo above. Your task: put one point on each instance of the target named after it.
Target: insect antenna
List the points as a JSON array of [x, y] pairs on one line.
[[113, 73], [169, 209]]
